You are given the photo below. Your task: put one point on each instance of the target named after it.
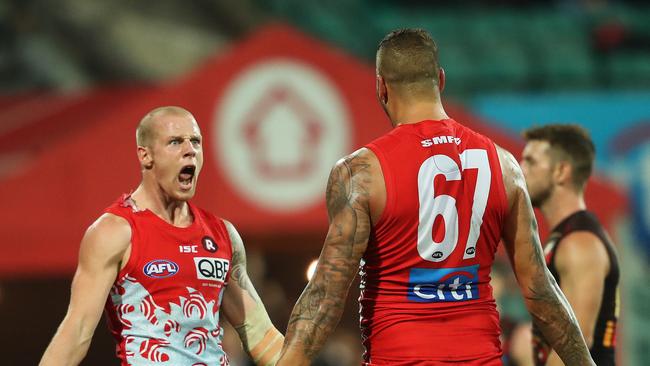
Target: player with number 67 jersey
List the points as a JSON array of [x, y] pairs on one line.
[[422, 210], [429, 256]]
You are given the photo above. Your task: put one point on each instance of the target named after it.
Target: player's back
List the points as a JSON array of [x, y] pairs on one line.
[[425, 293]]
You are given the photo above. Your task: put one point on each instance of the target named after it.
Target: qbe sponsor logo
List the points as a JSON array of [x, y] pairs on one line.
[[211, 269], [443, 284], [160, 268]]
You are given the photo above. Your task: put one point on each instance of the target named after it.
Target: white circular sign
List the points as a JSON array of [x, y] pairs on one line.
[[280, 127]]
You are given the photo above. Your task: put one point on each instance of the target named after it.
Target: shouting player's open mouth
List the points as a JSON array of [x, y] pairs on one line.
[[186, 177]]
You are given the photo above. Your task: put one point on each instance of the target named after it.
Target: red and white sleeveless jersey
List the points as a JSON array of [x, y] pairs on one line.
[[163, 308], [425, 292]]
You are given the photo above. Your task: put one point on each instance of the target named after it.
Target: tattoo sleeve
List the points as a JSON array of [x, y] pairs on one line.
[[238, 273], [552, 313], [548, 307], [244, 309], [319, 308]]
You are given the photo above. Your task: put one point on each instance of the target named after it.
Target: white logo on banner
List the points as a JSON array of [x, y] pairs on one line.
[[280, 127]]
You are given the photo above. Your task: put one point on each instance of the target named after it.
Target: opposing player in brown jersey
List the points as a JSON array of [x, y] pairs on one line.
[[557, 162]]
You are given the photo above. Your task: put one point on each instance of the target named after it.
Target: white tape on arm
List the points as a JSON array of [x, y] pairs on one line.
[[260, 338]]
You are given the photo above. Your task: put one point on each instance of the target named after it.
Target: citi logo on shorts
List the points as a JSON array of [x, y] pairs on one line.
[[211, 269], [443, 284], [160, 268]]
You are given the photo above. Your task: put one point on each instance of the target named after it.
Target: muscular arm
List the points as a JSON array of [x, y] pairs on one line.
[[320, 306], [244, 309], [582, 265], [545, 302], [101, 253]]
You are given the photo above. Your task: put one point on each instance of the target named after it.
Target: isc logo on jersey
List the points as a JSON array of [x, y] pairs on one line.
[[211, 269], [443, 284], [160, 268]]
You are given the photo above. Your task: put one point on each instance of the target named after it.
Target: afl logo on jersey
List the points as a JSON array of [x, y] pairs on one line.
[[160, 268], [209, 244]]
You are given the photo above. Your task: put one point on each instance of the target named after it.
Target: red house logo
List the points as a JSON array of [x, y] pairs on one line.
[[261, 145], [280, 127]]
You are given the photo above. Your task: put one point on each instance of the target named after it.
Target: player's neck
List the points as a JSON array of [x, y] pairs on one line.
[[562, 204], [414, 112], [175, 212]]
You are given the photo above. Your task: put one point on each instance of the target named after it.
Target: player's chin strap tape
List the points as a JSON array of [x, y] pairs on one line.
[[260, 338]]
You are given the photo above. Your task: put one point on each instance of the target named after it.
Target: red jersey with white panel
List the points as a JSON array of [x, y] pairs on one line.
[[425, 291], [163, 308]]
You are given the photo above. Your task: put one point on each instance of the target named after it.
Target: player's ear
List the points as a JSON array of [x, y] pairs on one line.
[[382, 90], [441, 79], [144, 155], [563, 172]]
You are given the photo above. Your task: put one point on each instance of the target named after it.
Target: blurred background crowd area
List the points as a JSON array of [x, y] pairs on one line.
[[521, 45], [72, 70]]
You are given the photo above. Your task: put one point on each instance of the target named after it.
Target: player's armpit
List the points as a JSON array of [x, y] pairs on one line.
[[547, 305], [101, 253], [244, 309], [583, 263], [320, 306]]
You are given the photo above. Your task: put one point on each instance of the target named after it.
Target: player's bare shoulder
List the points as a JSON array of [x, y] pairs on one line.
[[513, 177], [584, 250], [109, 237], [360, 164], [355, 178], [112, 225], [238, 251]]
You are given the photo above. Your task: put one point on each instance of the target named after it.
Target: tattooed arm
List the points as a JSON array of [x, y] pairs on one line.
[[244, 309], [320, 306], [547, 305]]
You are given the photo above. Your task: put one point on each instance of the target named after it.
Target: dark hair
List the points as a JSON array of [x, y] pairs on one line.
[[408, 56], [572, 143]]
